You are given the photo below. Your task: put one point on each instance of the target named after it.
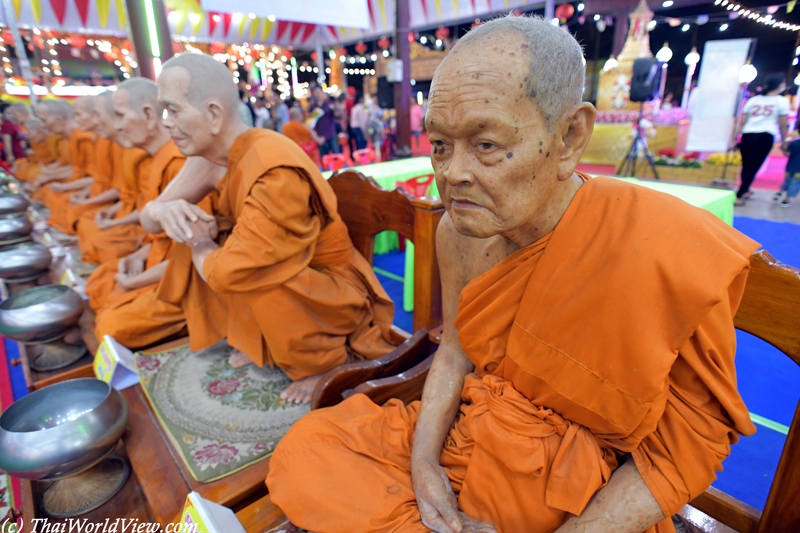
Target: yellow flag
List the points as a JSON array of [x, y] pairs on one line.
[[383, 13], [196, 21], [254, 25], [36, 7], [790, 6], [266, 29], [17, 7], [102, 11], [180, 20], [121, 14], [242, 23]]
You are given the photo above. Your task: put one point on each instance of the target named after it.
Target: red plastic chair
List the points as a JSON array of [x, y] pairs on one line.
[[312, 150], [365, 157], [333, 162], [416, 187]]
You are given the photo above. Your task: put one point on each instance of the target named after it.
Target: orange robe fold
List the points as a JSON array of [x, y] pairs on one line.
[[107, 154], [157, 174], [57, 146], [612, 335], [80, 156], [28, 169], [288, 268]]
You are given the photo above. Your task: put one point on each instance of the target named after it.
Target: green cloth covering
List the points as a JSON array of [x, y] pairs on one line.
[[717, 201]]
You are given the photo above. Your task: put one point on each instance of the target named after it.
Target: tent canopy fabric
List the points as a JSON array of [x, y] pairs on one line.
[[192, 20]]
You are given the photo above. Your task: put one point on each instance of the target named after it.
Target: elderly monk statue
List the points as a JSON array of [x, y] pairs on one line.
[[139, 119], [105, 189], [37, 154], [76, 156], [299, 295], [585, 380]]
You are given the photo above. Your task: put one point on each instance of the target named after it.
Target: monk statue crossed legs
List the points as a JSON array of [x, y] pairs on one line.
[[585, 380], [295, 292]]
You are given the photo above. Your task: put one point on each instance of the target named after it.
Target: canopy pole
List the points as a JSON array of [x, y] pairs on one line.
[[19, 44], [549, 10], [402, 89]]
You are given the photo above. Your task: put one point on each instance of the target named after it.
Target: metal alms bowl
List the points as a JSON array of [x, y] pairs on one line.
[[15, 226], [62, 429], [25, 260], [41, 314], [12, 203]]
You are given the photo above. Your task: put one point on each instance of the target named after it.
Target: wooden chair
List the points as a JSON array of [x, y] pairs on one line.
[[367, 209], [770, 310]]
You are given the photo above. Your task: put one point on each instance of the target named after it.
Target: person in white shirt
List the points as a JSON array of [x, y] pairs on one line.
[[763, 118]]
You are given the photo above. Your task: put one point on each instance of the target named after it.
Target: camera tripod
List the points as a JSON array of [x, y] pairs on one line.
[[629, 163]]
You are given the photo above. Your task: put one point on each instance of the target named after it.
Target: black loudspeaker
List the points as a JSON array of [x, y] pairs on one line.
[[646, 79], [385, 93]]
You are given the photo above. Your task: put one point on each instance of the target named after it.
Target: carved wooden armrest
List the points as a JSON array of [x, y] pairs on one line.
[[406, 386], [329, 391]]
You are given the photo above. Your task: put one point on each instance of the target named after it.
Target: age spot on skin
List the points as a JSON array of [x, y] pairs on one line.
[[510, 155], [524, 47], [541, 143], [533, 93], [548, 154], [540, 150], [486, 101], [481, 125]]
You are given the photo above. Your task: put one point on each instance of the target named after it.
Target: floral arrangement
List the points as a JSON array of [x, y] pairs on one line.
[[669, 158], [734, 159]]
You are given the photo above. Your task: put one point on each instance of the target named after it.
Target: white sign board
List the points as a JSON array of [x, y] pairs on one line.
[[717, 92], [347, 13]]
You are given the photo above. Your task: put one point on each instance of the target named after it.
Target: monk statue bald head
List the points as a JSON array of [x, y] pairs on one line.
[[507, 128], [35, 129], [103, 116], [138, 116], [83, 109], [22, 112], [57, 116], [202, 103]]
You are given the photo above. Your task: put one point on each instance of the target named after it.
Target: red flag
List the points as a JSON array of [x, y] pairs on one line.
[[226, 23], [371, 14], [60, 9], [213, 19], [83, 10], [282, 27], [309, 30], [333, 31], [296, 27], [425, 9]]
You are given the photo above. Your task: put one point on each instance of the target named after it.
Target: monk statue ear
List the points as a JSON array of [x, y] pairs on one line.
[[215, 113], [576, 129]]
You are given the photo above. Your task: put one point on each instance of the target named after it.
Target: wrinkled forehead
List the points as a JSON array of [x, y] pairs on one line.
[[174, 84]]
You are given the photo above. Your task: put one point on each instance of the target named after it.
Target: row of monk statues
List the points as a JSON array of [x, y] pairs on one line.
[[585, 379]]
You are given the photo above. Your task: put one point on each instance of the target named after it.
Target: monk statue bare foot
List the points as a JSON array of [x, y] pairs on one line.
[[238, 359], [300, 391]]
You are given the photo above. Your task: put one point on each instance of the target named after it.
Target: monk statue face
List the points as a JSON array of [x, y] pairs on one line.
[[37, 135], [193, 129], [46, 117], [103, 120], [498, 158], [136, 126], [83, 113]]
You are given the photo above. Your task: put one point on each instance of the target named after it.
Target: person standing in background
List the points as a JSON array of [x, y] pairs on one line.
[[262, 113], [13, 136], [326, 124], [417, 117], [358, 124], [763, 117], [281, 111]]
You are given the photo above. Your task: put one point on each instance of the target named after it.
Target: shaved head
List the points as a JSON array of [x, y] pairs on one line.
[[59, 108], [35, 129], [22, 111], [203, 108], [103, 115], [84, 107], [57, 116], [296, 114], [207, 79], [141, 92]]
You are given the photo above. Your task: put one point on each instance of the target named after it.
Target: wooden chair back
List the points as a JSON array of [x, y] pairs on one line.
[[367, 209], [770, 310]]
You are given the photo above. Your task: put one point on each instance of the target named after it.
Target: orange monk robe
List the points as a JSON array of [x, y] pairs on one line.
[[28, 169], [288, 267], [138, 318], [57, 146], [101, 246], [107, 154], [297, 132], [80, 155], [163, 167], [612, 335]]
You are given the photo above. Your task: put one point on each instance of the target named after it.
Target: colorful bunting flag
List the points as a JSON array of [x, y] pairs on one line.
[[213, 19], [83, 10], [197, 22], [309, 30], [242, 24], [425, 10], [121, 13], [254, 25], [36, 7], [60, 9], [268, 24], [226, 23], [283, 25], [790, 6], [18, 7], [383, 12], [296, 27], [102, 11]]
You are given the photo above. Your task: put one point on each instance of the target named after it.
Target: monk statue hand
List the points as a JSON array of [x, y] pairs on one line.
[[130, 266], [177, 216], [437, 503]]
